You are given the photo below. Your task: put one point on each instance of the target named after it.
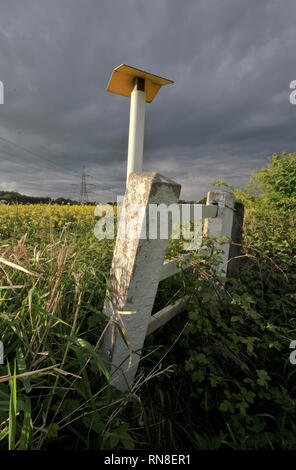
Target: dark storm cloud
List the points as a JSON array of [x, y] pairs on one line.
[[228, 109]]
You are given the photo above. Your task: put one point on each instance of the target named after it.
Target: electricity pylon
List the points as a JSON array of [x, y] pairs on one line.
[[83, 188]]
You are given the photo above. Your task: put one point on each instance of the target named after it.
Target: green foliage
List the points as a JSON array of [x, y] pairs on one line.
[[51, 323], [236, 342], [279, 179], [13, 197], [238, 355], [12, 410], [216, 377]]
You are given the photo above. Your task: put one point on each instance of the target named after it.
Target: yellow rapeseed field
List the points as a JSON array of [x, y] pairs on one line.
[[28, 218]]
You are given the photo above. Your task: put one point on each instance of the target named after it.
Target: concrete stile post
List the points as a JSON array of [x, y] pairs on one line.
[[134, 277], [228, 223]]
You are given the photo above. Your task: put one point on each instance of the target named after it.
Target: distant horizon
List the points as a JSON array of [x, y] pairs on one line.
[[3, 193]]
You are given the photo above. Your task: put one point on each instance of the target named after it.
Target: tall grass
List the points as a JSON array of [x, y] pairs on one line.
[[216, 377]]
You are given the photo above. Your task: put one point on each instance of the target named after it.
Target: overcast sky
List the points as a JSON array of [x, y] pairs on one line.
[[231, 62]]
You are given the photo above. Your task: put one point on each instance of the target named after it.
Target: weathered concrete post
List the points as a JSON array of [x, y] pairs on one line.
[[134, 277], [227, 223]]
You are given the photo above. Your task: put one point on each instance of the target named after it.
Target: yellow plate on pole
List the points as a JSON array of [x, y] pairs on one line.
[[122, 81]]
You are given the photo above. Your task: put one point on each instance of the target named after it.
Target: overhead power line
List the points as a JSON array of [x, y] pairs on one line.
[[42, 158], [20, 159]]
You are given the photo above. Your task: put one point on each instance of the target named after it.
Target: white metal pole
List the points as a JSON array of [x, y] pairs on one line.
[[136, 128]]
